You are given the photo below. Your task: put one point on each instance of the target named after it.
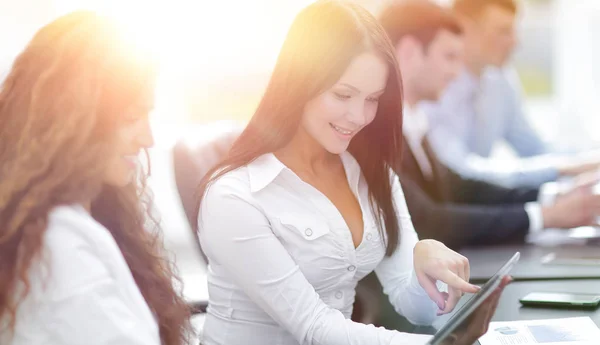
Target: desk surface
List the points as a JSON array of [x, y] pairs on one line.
[[509, 308], [486, 261]]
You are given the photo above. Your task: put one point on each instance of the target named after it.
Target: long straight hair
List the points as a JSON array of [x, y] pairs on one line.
[[322, 41]]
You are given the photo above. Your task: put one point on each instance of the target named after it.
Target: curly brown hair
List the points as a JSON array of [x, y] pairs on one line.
[[60, 107]]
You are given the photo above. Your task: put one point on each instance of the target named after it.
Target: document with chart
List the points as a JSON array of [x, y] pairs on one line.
[[571, 331]]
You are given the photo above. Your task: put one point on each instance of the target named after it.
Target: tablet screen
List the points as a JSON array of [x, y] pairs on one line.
[[474, 311]]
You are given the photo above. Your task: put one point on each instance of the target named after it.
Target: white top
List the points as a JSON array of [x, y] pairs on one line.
[[85, 294], [283, 267]]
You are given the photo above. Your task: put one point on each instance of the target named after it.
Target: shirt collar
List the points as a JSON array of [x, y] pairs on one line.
[[352, 169], [415, 128], [468, 79], [265, 169], [415, 123]]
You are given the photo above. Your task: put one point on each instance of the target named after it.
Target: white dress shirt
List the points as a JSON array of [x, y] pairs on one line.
[[84, 293], [416, 126], [283, 266]]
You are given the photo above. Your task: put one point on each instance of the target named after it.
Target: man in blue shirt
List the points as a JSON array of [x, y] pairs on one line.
[[483, 106], [443, 205]]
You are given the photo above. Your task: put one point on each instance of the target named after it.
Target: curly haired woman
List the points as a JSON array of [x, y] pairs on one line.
[[78, 261]]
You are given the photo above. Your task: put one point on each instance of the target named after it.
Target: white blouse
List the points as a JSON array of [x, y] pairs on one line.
[[84, 293], [283, 267]]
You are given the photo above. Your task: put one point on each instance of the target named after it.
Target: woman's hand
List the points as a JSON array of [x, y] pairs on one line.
[[434, 261], [476, 325]]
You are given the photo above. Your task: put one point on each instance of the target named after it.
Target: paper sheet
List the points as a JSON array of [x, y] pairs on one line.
[[571, 331]]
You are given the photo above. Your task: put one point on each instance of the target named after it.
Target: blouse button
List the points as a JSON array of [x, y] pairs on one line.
[[308, 232], [369, 236], [351, 268], [339, 295]]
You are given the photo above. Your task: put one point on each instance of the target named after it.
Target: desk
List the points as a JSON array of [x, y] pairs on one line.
[[509, 308], [485, 261]]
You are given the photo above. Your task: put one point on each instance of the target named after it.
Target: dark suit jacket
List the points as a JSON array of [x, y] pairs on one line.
[[460, 212]]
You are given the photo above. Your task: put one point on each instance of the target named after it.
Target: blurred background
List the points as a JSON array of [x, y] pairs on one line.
[[217, 54], [216, 57]]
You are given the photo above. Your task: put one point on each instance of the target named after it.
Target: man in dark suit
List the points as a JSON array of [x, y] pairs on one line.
[[443, 205]]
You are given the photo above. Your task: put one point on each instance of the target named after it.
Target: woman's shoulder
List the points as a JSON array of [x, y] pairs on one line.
[[71, 228], [70, 218], [236, 181], [247, 179], [75, 247]]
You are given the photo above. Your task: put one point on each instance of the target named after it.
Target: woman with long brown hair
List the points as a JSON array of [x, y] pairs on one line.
[[306, 203], [81, 259]]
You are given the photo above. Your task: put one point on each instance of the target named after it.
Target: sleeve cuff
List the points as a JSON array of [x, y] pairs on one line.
[[534, 212], [548, 193]]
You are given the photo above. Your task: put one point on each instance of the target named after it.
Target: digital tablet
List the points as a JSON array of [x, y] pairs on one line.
[[460, 319]]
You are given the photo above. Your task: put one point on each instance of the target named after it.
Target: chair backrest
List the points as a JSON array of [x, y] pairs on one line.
[[194, 157]]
